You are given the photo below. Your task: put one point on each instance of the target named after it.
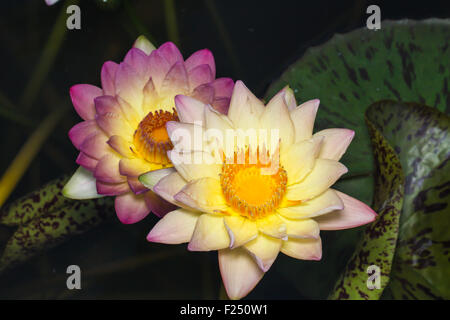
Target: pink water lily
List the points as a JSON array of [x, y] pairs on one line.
[[242, 210], [123, 134]]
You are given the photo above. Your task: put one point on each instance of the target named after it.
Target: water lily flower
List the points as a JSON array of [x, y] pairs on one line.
[[123, 133], [246, 213]]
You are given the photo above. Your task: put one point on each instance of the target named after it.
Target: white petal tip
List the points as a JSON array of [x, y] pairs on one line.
[[81, 186], [144, 44]]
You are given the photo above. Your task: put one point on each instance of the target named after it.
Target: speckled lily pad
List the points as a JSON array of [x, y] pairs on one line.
[[45, 218], [420, 136]]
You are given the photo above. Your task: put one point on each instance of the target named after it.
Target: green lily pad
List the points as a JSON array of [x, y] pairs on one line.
[[45, 218], [406, 60], [377, 246], [418, 266], [421, 137]]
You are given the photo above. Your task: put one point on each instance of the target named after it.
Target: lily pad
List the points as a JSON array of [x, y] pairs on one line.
[[377, 246], [420, 135], [45, 218]]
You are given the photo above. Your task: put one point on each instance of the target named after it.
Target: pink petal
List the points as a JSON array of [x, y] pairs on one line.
[[131, 208], [204, 93], [95, 146], [158, 205], [200, 75], [83, 96], [201, 57], [158, 68], [112, 189], [176, 80], [81, 131], [138, 60], [240, 273], [221, 104], [170, 53], [136, 186], [86, 162], [106, 104], [110, 117], [223, 87], [129, 85], [189, 109], [354, 214], [107, 170], [108, 74]]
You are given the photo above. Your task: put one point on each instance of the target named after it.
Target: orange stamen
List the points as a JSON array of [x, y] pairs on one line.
[[250, 191], [151, 140]]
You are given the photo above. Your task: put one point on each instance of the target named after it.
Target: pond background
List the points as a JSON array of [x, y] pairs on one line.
[[254, 41]]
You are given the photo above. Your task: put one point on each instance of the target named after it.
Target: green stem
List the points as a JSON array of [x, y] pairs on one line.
[[225, 38], [140, 28], [10, 112], [47, 58], [26, 154], [171, 21]]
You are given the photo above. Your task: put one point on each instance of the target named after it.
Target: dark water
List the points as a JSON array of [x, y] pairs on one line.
[[251, 40]]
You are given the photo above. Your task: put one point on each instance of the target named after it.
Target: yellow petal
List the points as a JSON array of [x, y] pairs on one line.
[[303, 119], [304, 249], [324, 174], [195, 165], [203, 194], [335, 142], [217, 126], [299, 159], [245, 108], [151, 178], [210, 234], [169, 186], [322, 204], [272, 226], [301, 229], [240, 229], [240, 273], [174, 228], [276, 117], [264, 250], [185, 136]]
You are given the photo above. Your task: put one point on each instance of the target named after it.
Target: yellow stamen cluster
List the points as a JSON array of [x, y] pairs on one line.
[[151, 140], [250, 190]]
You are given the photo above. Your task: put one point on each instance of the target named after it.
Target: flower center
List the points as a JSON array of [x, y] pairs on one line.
[[251, 189], [151, 140]]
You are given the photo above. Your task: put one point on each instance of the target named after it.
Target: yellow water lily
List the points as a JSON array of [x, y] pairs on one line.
[[256, 199]]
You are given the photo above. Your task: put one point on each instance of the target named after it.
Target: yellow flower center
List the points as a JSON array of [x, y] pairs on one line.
[[251, 189], [151, 140]]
